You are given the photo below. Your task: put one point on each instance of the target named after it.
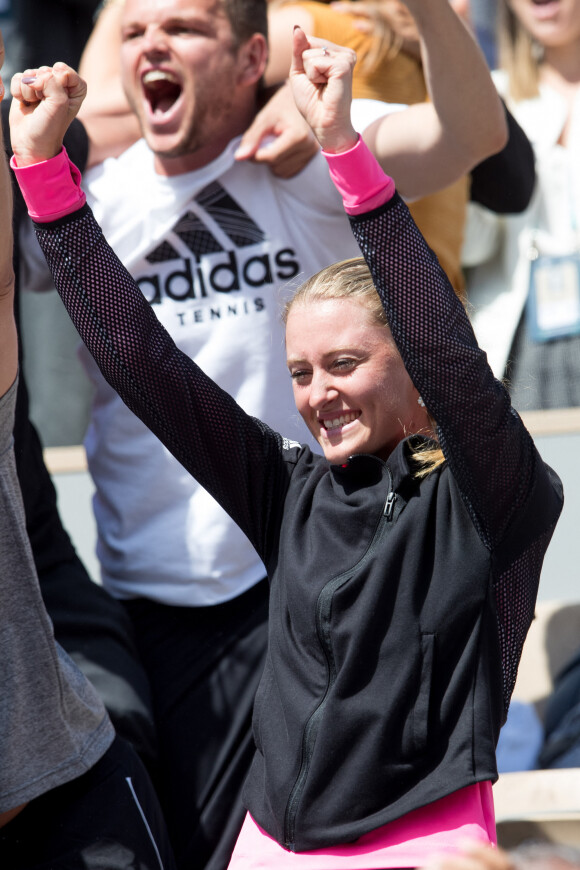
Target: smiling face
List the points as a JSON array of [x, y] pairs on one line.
[[192, 87], [350, 384], [553, 23]]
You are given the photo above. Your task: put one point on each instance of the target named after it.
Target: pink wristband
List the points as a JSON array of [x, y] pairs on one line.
[[359, 179], [51, 189]]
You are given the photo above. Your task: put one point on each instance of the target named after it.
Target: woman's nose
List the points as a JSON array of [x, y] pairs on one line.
[[322, 390]]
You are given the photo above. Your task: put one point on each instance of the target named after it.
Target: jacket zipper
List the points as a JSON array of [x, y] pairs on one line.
[[323, 609]]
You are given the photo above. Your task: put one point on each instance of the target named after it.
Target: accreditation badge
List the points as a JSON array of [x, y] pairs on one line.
[[553, 306]]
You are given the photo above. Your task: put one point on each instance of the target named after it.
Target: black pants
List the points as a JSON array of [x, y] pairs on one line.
[[96, 632], [107, 819], [204, 665]]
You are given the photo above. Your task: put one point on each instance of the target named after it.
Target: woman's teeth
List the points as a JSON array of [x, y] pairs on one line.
[[340, 421]]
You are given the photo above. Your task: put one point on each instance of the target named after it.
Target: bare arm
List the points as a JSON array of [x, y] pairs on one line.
[[432, 144], [8, 339], [111, 125]]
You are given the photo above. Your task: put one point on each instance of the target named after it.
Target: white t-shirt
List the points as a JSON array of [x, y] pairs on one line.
[[214, 251]]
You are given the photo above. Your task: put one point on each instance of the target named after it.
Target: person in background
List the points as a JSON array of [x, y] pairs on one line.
[[403, 564], [524, 280]]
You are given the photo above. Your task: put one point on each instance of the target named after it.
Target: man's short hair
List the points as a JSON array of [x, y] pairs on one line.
[[247, 17]]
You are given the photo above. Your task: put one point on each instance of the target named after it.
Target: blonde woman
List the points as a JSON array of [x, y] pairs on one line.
[[403, 564]]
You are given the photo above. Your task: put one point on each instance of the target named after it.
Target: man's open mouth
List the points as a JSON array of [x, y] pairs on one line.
[[162, 90]]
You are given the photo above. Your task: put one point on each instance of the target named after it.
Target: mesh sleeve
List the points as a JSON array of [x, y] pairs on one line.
[[515, 599], [488, 450], [235, 457]]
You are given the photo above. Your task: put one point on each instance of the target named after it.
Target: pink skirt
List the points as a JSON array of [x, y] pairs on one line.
[[441, 827]]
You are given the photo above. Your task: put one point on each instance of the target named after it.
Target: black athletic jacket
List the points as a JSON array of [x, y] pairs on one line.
[[398, 608]]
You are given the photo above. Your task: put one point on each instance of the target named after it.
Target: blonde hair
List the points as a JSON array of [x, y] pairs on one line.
[[519, 53], [351, 279]]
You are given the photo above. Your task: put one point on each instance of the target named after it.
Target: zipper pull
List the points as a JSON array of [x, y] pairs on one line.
[[390, 505]]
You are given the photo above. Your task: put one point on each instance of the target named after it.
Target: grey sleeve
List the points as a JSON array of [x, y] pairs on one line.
[[53, 726]]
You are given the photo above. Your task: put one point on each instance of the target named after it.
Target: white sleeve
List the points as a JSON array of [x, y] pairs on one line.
[[482, 235], [364, 112]]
